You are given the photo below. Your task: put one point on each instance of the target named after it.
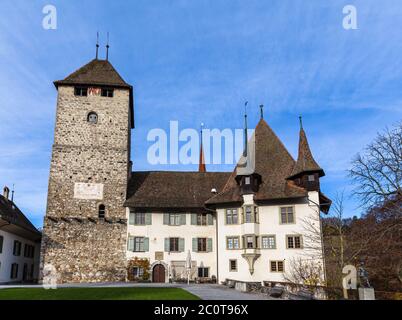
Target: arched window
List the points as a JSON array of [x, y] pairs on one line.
[[92, 117], [101, 211]]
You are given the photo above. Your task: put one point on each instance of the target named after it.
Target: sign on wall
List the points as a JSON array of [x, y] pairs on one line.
[[88, 191]]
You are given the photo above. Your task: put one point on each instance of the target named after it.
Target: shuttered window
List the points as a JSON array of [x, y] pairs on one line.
[[1, 243], [14, 271], [138, 244], [17, 248], [140, 218]]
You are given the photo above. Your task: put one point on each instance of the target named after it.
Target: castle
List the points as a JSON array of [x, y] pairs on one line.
[[100, 214]]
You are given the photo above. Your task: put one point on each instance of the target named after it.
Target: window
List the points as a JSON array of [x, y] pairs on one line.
[[31, 273], [268, 242], [311, 178], [80, 91], [139, 244], [202, 244], [29, 251], [203, 272], [101, 211], [293, 242], [17, 248], [92, 117], [107, 93], [14, 271], [138, 272], [250, 214], [174, 244], [250, 242], [232, 265], [202, 219], [277, 266], [231, 216], [233, 243], [249, 211], [287, 215], [174, 219], [139, 218], [1, 243], [247, 180]]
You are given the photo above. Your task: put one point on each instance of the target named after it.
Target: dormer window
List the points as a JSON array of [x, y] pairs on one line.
[[92, 118], [247, 180], [107, 93], [311, 178], [81, 91]]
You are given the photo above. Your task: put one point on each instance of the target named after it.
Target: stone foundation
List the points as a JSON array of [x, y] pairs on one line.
[[83, 250]]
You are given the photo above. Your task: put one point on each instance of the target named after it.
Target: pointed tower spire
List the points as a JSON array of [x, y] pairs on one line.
[[107, 47], [97, 45], [201, 164], [262, 111], [305, 161], [245, 130]]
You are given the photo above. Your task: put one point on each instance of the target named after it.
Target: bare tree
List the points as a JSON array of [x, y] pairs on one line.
[[308, 272], [377, 172]]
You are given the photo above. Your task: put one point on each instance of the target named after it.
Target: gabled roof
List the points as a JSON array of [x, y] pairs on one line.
[[12, 216], [273, 163], [96, 72], [172, 190], [305, 161], [99, 73]]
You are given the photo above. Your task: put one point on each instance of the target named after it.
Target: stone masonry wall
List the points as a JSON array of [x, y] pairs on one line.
[[82, 247]]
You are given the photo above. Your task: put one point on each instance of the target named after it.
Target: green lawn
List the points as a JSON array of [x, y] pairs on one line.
[[96, 294]]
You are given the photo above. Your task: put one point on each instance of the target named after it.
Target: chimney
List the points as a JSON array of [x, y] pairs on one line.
[[6, 192]]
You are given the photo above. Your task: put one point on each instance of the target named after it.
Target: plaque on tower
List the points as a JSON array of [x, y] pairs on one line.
[[88, 191]]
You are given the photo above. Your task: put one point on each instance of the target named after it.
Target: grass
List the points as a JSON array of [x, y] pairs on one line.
[[96, 294]]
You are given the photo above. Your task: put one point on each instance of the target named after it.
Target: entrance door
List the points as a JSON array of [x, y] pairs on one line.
[[158, 273]]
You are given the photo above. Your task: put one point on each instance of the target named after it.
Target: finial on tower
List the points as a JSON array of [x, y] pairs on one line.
[[107, 47], [201, 164], [301, 122], [262, 111], [245, 129], [97, 45]]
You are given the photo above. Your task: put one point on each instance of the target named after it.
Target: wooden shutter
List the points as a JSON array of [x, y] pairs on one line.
[[146, 244], [130, 244], [166, 218], [148, 218], [210, 220], [194, 219], [181, 244], [183, 219], [167, 244], [131, 218], [209, 245], [195, 244]]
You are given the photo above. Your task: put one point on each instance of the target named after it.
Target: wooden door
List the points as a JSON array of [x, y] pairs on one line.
[[158, 273]]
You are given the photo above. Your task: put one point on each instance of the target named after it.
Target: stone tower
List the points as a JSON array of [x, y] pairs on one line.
[[85, 223]]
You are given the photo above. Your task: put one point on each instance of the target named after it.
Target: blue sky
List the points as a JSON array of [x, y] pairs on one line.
[[198, 62]]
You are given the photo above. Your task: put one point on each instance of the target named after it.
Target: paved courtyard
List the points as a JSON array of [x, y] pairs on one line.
[[204, 291]]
